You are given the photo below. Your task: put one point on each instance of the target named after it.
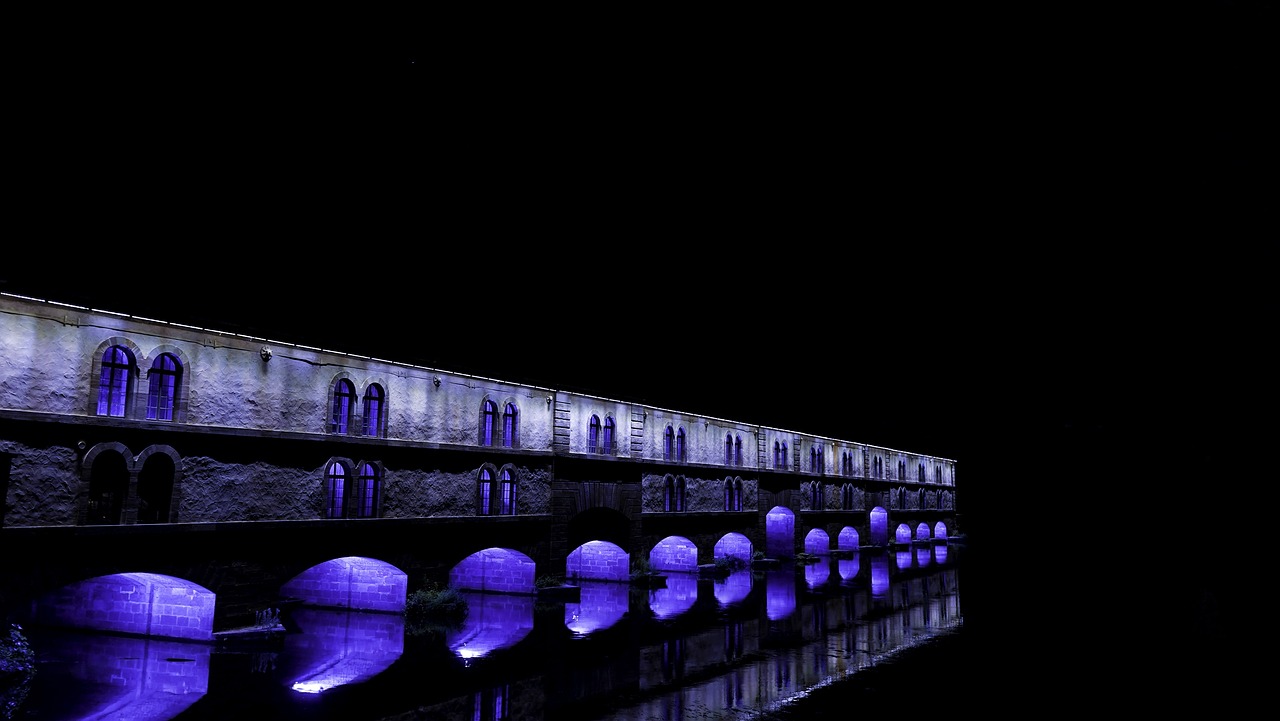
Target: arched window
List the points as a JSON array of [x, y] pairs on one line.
[[367, 488], [732, 494], [336, 481], [373, 425], [680, 454], [593, 435], [163, 382], [608, 436], [155, 489], [344, 395], [846, 497], [668, 439], [113, 384], [509, 426], [817, 500], [902, 471], [486, 488], [813, 460], [728, 449], [108, 487], [488, 423], [777, 455], [786, 462], [673, 494], [737, 451], [507, 496]]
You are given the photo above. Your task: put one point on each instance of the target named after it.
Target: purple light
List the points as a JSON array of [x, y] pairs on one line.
[[733, 545], [674, 553], [940, 553], [817, 574], [780, 594], [903, 533], [940, 531], [677, 597], [494, 621], [354, 582], [140, 679], [500, 570], [148, 604], [923, 556], [879, 575], [902, 559], [598, 561], [339, 647], [848, 539], [780, 532], [879, 526], [733, 589], [922, 532], [600, 605], [849, 568], [817, 542]]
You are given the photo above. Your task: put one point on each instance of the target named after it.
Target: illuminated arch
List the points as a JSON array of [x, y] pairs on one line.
[[146, 604], [817, 542], [599, 561], [734, 546], [500, 570], [780, 532], [848, 539], [352, 582], [674, 553]]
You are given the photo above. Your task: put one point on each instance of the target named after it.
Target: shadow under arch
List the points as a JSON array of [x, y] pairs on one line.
[[879, 521], [143, 604], [352, 582], [495, 570], [780, 532], [600, 524]]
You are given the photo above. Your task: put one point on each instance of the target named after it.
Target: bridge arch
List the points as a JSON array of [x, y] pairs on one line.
[[940, 531], [902, 534], [879, 520], [674, 553], [598, 561], [145, 604], [351, 582], [780, 532], [922, 531], [734, 546], [817, 542], [495, 570], [848, 539]]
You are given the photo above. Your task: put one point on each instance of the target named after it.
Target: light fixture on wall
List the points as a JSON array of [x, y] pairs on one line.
[[265, 353], [548, 401], [436, 380]]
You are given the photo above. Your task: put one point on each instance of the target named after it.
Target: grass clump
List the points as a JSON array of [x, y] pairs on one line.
[[434, 607]]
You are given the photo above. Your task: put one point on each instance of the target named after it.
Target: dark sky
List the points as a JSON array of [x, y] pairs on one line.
[[927, 232]]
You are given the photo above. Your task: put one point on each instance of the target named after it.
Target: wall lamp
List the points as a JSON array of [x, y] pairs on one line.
[[436, 380], [265, 353]]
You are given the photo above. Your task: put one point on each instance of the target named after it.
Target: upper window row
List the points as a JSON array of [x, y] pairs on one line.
[[165, 389]]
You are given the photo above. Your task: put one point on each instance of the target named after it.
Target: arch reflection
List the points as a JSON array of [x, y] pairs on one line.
[[600, 605], [494, 621], [678, 596]]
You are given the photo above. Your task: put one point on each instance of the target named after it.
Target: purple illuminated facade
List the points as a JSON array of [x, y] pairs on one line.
[[228, 472]]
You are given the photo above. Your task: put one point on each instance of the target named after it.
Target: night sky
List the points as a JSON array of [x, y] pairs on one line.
[[923, 230]]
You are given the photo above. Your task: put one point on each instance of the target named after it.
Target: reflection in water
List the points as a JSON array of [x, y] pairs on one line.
[[600, 605], [903, 559], [849, 567], [780, 593], [734, 588], [493, 621], [745, 646], [923, 555], [879, 576], [677, 597], [338, 647], [117, 677], [816, 574]]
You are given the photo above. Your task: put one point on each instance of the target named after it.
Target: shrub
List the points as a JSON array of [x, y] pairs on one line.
[[434, 605]]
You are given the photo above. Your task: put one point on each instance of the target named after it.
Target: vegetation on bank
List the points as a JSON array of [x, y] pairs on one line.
[[17, 669], [434, 608]]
